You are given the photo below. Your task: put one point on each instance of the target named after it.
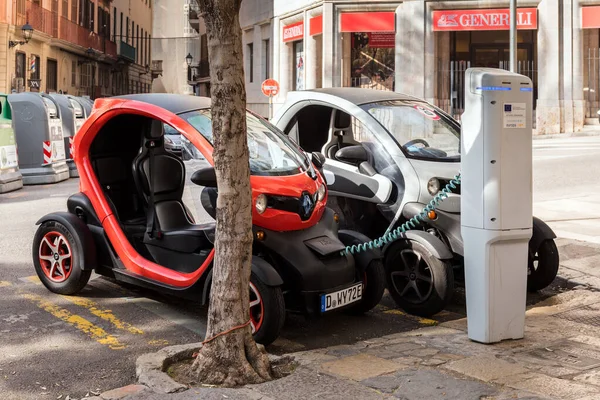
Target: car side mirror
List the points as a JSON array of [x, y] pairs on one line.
[[205, 177], [318, 159], [352, 154]]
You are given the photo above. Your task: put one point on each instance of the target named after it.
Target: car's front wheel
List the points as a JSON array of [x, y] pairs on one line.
[[56, 258], [373, 288], [419, 283]]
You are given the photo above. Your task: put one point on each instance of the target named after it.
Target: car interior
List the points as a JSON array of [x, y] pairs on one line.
[[143, 184]]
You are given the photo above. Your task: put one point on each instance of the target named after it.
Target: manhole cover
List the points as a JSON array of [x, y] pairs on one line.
[[584, 315]]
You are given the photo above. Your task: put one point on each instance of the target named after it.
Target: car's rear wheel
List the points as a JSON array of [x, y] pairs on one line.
[[543, 266], [419, 283], [267, 311], [56, 258]]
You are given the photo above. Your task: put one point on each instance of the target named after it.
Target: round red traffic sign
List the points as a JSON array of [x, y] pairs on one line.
[[270, 87]]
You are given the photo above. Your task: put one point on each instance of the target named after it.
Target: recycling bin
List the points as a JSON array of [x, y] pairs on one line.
[[39, 133], [67, 117], [85, 103], [10, 176]]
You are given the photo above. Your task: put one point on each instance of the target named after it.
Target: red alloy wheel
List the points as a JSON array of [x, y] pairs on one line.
[[257, 309], [56, 257]]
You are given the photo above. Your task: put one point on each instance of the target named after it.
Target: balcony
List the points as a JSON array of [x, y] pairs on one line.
[[41, 19], [75, 34], [126, 51], [157, 68]]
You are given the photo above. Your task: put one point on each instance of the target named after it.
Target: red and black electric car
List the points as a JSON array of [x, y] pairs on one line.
[[142, 216]]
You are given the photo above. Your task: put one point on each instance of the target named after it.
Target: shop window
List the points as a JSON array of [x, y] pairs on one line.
[[20, 65], [373, 60], [250, 48], [51, 75], [266, 58], [298, 65]]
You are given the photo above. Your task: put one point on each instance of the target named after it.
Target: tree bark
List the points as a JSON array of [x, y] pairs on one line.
[[233, 358]]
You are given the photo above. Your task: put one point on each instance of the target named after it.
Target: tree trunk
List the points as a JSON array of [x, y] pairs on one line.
[[232, 358]]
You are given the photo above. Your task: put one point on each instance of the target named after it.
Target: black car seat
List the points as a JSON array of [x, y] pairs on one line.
[[160, 176], [340, 134]]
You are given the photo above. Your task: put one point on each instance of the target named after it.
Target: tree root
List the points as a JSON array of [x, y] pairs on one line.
[[232, 360]]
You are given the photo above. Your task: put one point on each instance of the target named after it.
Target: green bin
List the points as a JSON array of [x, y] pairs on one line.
[[10, 176]]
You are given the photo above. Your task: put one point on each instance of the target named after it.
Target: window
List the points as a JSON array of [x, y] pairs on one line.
[[126, 30], [137, 46], [73, 73], [250, 47], [20, 65], [35, 66], [65, 8], [114, 24], [142, 59], [51, 75], [21, 7], [132, 33], [148, 48], [74, 11], [121, 31], [267, 58], [92, 7], [85, 77], [82, 7]]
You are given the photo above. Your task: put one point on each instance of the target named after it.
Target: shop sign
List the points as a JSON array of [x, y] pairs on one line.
[[590, 17], [382, 40], [384, 21], [483, 20], [293, 32], [316, 25]]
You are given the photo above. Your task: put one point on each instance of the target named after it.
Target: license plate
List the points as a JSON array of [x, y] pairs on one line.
[[331, 301]]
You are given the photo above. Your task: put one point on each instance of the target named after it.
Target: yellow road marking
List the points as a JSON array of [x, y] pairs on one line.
[[5, 283], [33, 279], [422, 321], [159, 342], [106, 315], [85, 326]]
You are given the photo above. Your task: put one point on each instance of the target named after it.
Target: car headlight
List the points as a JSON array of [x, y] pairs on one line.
[[168, 140], [261, 203], [433, 186], [321, 192]]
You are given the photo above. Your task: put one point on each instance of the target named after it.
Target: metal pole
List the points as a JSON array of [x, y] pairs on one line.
[[513, 35], [270, 106]]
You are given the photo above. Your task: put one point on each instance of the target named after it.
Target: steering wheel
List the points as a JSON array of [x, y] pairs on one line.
[[417, 141]]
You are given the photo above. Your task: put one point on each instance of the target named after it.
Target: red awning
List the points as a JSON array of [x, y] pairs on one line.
[[590, 17], [482, 19], [368, 22], [316, 25]]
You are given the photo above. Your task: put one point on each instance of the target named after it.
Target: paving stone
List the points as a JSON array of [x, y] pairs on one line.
[[344, 350], [432, 384], [433, 362], [485, 368], [312, 357], [408, 360], [383, 383], [555, 387], [120, 393], [321, 386], [449, 356], [590, 377], [394, 350], [426, 352], [360, 367]]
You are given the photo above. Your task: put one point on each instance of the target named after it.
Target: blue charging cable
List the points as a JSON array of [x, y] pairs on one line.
[[408, 225]]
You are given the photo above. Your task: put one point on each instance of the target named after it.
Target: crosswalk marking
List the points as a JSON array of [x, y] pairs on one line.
[[82, 324]]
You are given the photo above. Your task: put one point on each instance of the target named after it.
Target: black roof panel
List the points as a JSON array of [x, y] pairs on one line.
[[176, 103]]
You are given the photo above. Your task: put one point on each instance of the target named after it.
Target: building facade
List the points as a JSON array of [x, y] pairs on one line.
[[79, 47], [423, 48], [178, 31]]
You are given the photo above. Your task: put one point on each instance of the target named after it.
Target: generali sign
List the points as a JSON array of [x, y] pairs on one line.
[[483, 20], [293, 32]]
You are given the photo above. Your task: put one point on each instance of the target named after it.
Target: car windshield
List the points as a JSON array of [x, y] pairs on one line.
[[421, 130], [271, 153]]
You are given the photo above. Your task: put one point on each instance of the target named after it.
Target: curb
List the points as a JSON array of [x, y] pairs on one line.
[[567, 135], [149, 368]]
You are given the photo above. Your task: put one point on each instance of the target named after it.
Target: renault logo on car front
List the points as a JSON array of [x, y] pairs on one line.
[[306, 205]]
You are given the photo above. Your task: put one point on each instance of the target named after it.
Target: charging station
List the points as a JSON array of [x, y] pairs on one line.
[[496, 201]]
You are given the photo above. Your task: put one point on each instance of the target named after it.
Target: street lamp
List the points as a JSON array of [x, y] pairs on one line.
[[27, 31], [188, 59]]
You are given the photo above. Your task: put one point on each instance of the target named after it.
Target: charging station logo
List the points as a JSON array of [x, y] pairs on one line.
[[508, 108]]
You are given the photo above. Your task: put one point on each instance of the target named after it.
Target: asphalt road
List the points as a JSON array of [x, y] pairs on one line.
[[53, 346]]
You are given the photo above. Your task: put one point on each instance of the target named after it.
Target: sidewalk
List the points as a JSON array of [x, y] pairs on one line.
[[558, 359]]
